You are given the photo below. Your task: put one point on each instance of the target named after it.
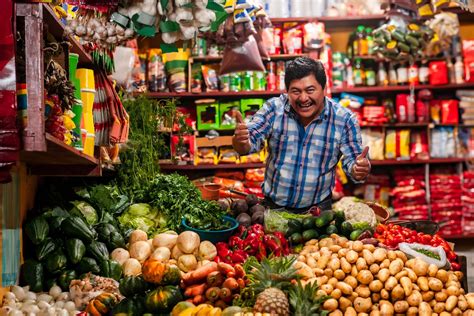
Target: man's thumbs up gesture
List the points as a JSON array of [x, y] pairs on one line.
[[361, 167], [240, 141]]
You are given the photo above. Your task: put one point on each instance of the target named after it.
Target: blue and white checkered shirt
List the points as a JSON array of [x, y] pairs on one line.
[[301, 165]]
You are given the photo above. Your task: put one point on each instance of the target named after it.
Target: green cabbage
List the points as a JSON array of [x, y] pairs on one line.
[[86, 211], [142, 216]]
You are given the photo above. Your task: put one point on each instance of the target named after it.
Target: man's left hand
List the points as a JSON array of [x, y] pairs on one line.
[[361, 168]]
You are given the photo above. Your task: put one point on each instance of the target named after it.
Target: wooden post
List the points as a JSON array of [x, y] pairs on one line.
[[34, 134]]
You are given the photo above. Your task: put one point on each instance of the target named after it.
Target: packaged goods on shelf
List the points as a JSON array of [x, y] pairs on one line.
[[208, 116], [468, 54], [183, 148], [409, 195], [227, 154], [446, 204], [374, 138], [468, 203], [419, 145], [466, 106], [443, 142], [318, 8], [176, 67], [206, 156], [227, 114], [377, 188], [248, 108], [397, 144]]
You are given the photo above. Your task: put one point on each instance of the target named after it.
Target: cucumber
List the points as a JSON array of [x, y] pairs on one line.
[[294, 226], [310, 234], [331, 229], [296, 238], [339, 218], [346, 228], [355, 234], [324, 219], [308, 223]]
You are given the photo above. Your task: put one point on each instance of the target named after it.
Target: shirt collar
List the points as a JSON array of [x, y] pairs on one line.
[[288, 109]]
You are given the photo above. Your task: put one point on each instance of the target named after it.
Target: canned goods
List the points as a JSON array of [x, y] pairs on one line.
[[235, 82], [225, 83], [259, 81], [248, 81]]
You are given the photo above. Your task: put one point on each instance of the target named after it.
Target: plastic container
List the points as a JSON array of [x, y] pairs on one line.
[[73, 60], [214, 236], [209, 191], [207, 116], [227, 120], [89, 144], [83, 138], [88, 122], [86, 78], [77, 119], [87, 97]]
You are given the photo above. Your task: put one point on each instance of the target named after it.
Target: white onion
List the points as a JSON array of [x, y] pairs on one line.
[[30, 296], [19, 292], [59, 304], [70, 306], [55, 291], [43, 305], [10, 296], [64, 296], [45, 297]]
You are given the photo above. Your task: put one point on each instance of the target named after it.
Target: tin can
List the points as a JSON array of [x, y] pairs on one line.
[[280, 76], [235, 82], [259, 81], [225, 83], [277, 40], [248, 81]]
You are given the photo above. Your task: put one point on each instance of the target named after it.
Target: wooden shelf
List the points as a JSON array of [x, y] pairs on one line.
[[216, 94], [396, 125], [211, 167], [60, 159], [391, 162], [272, 57], [334, 21], [377, 89], [56, 28]]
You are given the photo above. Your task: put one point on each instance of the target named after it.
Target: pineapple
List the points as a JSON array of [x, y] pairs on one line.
[[303, 300], [268, 280]]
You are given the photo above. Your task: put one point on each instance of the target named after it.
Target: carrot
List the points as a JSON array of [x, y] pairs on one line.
[[215, 279], [241, 283], [239, 271], [199, 299], [212, 294], [231, 274], [193, 290], [231, 284], [225, 268], [221, 304], [225, 295], [200, 273]]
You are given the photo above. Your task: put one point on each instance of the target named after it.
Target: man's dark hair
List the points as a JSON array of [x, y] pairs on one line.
[[302, 67]]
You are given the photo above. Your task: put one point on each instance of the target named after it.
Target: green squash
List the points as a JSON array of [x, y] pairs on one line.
[[55, 262], [163, 299], [37, 230], [133, 285], [172, 276], [111, 269], [65, 278], [32, 274], [129, 307]]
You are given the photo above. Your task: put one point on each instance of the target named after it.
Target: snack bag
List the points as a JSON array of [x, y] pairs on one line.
[[227, 154], [206, 156], [176, 65], [156, 71], [211, 79]]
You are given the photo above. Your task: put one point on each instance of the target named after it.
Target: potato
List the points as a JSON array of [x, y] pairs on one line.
[[318, 272], [401, 255], [374, 268], [441, 296], [328, 272], [439, 307], [384, 294], [407, 285], [383, 275], [334, 264], [435, 284], [311, 262], [350, 311], [411, 274], [336, 313], [423, 283], [401, 307], [427, 296], [470, 300], [432, 270], [385, 264], [323, 261], [375, 297], [365, 277], [442, 275], [326, 242], [401, 274], [342, 253], [345, 288], [462, 304], [424, 309], [363, 291], [456, 312], [362, 305], [412, 311], [322, 280], [395, 266], [352, 256], [414, 299], [357, 246], [345, 266], [333, 281], [354, 271], [336, 293], [420, 267], [453, 290], [339, 274], [386, 308], [397, 293], [369, 247], [380, 254], [328, 288], [375, 312], [390, 283], [320, 293], [344, 303], [352, 281], [335, 248], [376, 286], [330, 304], [361, 264], [451, 303]]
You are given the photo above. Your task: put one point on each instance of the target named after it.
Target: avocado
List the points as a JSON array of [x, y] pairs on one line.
[[310, 234]]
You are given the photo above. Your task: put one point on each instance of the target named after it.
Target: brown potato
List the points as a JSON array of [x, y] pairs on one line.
[[439, 307], [411, 274], [386, 308], [435, 284], [451, 303], [391, 283], [456, 312], [361, 264], [339, 274], [427, 296], [453, 290], [335, 248], [344, 287], [330, 304], [346, 266], [344, 303], [357, 246], [424, 309], [334, 264], [362, 305], [354, 271], [376, 286], [383, 275], [442, 275], [410, 263], [458, 274], [380, 254], [352, 281], [420, 267], [328, 272], [401, 307], [318, 272], [412, 311], [350, 311], [333, 281], [369, 247], [384, 294], [392, 255], [397, 293], [368, 257], [365, 277], [385, 264], [374, 268], [395, 266], [401, 255], [328, 288], [441, 296], [363, 291], [376, 297], [336, 293], [415, 299], [352, 256], [401, 274], [423, 283], [462, 304], [432, 270], [406, 284]]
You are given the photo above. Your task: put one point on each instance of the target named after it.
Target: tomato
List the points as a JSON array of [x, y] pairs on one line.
[[426, 239], [455, 266], [381, 228]]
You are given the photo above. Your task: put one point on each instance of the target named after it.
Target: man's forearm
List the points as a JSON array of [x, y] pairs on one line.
[[241, 148]]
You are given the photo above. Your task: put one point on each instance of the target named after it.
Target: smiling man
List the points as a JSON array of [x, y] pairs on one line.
[[307, 134]]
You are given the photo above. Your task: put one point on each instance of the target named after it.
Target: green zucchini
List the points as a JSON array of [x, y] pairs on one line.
[[324, 219]]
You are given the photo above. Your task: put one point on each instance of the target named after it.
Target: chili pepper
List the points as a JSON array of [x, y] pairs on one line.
[[251, 243], [258, 229], [239, 256], [455, 266], [236, 243], [272, 244], [283, 242], [261, 252]]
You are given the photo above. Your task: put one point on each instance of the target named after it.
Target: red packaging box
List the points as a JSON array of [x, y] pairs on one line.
[[438, 73], [449, 111]]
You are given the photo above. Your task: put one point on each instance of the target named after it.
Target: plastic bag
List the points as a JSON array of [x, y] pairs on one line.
[[242, 57], [276, 220], [124, 59], [411, 251]]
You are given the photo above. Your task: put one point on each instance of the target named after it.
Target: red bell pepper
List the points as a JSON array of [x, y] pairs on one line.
[[258, 229], [223, 251], [261, 252], [272, 244], [239, 256], [283, 242], [236, 243]]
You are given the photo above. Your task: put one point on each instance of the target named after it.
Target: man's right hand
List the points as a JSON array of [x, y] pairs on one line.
[[241, 139]]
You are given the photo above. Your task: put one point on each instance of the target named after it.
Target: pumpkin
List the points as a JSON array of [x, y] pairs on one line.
[[153, 271], [172, 276], [129, 307], [163, 299], [180, 307], [132, 285], [101, 304]]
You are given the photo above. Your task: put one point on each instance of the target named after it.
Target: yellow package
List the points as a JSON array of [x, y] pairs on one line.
[[403, 143], [206, 156], [391, 144], [254, 158], [228, 155]]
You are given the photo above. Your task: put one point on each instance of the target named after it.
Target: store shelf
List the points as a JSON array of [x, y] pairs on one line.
[[60, 159], [396, 125], [391, 162], [333, 21], [56, 28], [211, 167], [216, 94], [272, 57], [402, 88]]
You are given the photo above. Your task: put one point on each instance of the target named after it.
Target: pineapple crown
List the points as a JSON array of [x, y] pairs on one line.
[[276, 272], [304, 300]]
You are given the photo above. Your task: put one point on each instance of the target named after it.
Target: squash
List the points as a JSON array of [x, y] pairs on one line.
[[163, 299], [132, 285], [153, 271], [129, 307], [180, 307], [172, 276], [101, 304]]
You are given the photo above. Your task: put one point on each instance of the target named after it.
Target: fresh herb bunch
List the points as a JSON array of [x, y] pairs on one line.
[[139, 161], [176, 197]]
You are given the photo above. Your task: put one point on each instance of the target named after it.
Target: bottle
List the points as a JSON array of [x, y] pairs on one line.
[[392, 75], [413, 74], [370, 74], [423, 73], [358, 73], [362, 41], [459, 70], [370, 41], [382, 77], [349, 73], [402, 74], [451, 74], [350, 46]]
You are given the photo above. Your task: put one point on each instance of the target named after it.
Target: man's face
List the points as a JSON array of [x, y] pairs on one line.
[[306, 98]]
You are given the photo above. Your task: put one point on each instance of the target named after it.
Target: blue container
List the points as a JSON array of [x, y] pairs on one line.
[[214, 236]]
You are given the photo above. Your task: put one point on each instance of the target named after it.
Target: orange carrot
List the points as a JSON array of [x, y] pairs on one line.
[[199, 299], [215, 279], [239, 271], [212, 294], [194, 290], [231, 274], [221, 304], [241, 283], [225, 295], [231, 284], [225, 268], [199, 274]]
